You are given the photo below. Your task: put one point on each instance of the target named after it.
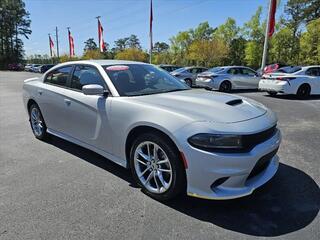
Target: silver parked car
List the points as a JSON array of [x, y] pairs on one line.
[[188, 74], [173, 138], [229, 77]]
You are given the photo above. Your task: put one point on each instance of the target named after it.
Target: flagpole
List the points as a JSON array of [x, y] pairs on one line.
[[266, 38], [57, 41], [150, 34], [98, 19]]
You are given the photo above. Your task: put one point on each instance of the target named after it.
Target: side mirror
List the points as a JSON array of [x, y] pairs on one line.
[[93, 89]]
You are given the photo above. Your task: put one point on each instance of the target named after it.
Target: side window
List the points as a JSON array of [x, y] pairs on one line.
[[200, 70], [313, 71], [59, 76], [84, 75], [247, 71], [194, 70], [233, 71]]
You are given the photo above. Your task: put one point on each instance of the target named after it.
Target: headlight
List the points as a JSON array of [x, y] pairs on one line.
[[213, 142]]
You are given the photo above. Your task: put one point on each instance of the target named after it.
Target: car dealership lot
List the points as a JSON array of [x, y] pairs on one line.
[[57, 190]]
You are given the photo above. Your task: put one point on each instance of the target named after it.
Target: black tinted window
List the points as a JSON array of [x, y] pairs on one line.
[[59, 76], [84, 75], [233, 71], [313, 71], [247, 71]]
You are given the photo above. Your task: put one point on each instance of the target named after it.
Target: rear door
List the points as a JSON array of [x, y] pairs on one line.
[[249, 78], [53, 97], [235, 77]]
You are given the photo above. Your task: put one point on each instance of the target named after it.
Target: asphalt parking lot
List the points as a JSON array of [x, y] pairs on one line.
[[57, 190]]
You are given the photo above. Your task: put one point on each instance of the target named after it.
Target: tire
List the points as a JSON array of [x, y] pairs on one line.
[[272, 93], [189, 82], [37, 123], [225, 86], [303, 91], [173, 183]]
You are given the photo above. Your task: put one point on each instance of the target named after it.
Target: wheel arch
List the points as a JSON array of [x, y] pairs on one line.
[[140, 129], [30, 102]]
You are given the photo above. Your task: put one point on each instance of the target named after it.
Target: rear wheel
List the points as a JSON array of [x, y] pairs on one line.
[[37, 123], [225, 86], [156, 167], [304, 91]]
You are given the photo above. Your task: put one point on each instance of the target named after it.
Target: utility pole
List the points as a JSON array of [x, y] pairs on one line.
[[266, 38], [57, 41]]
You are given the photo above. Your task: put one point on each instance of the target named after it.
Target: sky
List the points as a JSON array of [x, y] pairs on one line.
[[121, 18]]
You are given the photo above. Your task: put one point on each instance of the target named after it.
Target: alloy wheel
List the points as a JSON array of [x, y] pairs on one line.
[[36, 121], [153, 167]]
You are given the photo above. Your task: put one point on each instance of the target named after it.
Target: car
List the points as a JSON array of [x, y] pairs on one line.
[[45, 67], [37, 68], [175, 139], [301, 81], [15, 67], [27, 67], [33, 67], [188, 74], [168, 67], [228, 78]]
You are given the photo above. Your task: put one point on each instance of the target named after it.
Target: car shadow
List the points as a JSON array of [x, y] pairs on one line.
[[289, 202], [293, 97]]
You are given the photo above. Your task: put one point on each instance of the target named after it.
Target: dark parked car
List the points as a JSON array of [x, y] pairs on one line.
[[15, 67], [169, 68], [46, 67]]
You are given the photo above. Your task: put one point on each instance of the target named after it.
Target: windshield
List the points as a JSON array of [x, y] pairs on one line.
[[142, 79], [288, 69], [216, 69]]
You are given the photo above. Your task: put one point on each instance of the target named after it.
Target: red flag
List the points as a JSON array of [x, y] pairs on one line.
[[272, 16], [71, 44], [151, 20], [51, 44], [100, 35]]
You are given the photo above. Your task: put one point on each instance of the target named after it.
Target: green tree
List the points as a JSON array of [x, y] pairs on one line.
[[227, 31], [160, 47], [254, 32], [133, 42], [202, 32], [133, 54], [14, 23], [310, 43], [90, 44]]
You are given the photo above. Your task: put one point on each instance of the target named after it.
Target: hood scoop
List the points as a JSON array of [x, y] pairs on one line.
[[235, 102]]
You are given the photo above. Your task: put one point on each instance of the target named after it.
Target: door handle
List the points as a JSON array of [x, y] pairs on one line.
[[67, 101], [40, 92]]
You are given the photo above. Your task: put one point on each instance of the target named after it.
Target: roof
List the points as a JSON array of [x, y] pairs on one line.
[[102, 62]]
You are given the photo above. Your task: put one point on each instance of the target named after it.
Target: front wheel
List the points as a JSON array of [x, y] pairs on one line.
[[156, 167], [37, 123]]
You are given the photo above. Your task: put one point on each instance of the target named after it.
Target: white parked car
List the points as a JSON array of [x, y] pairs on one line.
[[228, 78], [301, 81], [173, 138]]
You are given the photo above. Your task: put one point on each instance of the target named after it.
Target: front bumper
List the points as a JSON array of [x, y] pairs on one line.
[[206, 169]]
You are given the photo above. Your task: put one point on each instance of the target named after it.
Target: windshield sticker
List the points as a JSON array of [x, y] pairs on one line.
[[117, 68]]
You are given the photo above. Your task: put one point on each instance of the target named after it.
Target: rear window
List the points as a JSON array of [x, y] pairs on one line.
[[59, 76], [288, 69], [216, 69]]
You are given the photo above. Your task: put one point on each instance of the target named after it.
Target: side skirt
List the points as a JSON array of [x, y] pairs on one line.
[[109, 156]]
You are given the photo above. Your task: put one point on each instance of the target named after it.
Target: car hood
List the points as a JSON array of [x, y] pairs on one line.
[[202, 105]]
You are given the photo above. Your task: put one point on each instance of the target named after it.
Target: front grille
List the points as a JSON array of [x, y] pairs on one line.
[[262, 164], [250, 141]]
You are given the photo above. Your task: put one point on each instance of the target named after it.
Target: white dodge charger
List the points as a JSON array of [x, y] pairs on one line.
[[301, 81], [174, 139]]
